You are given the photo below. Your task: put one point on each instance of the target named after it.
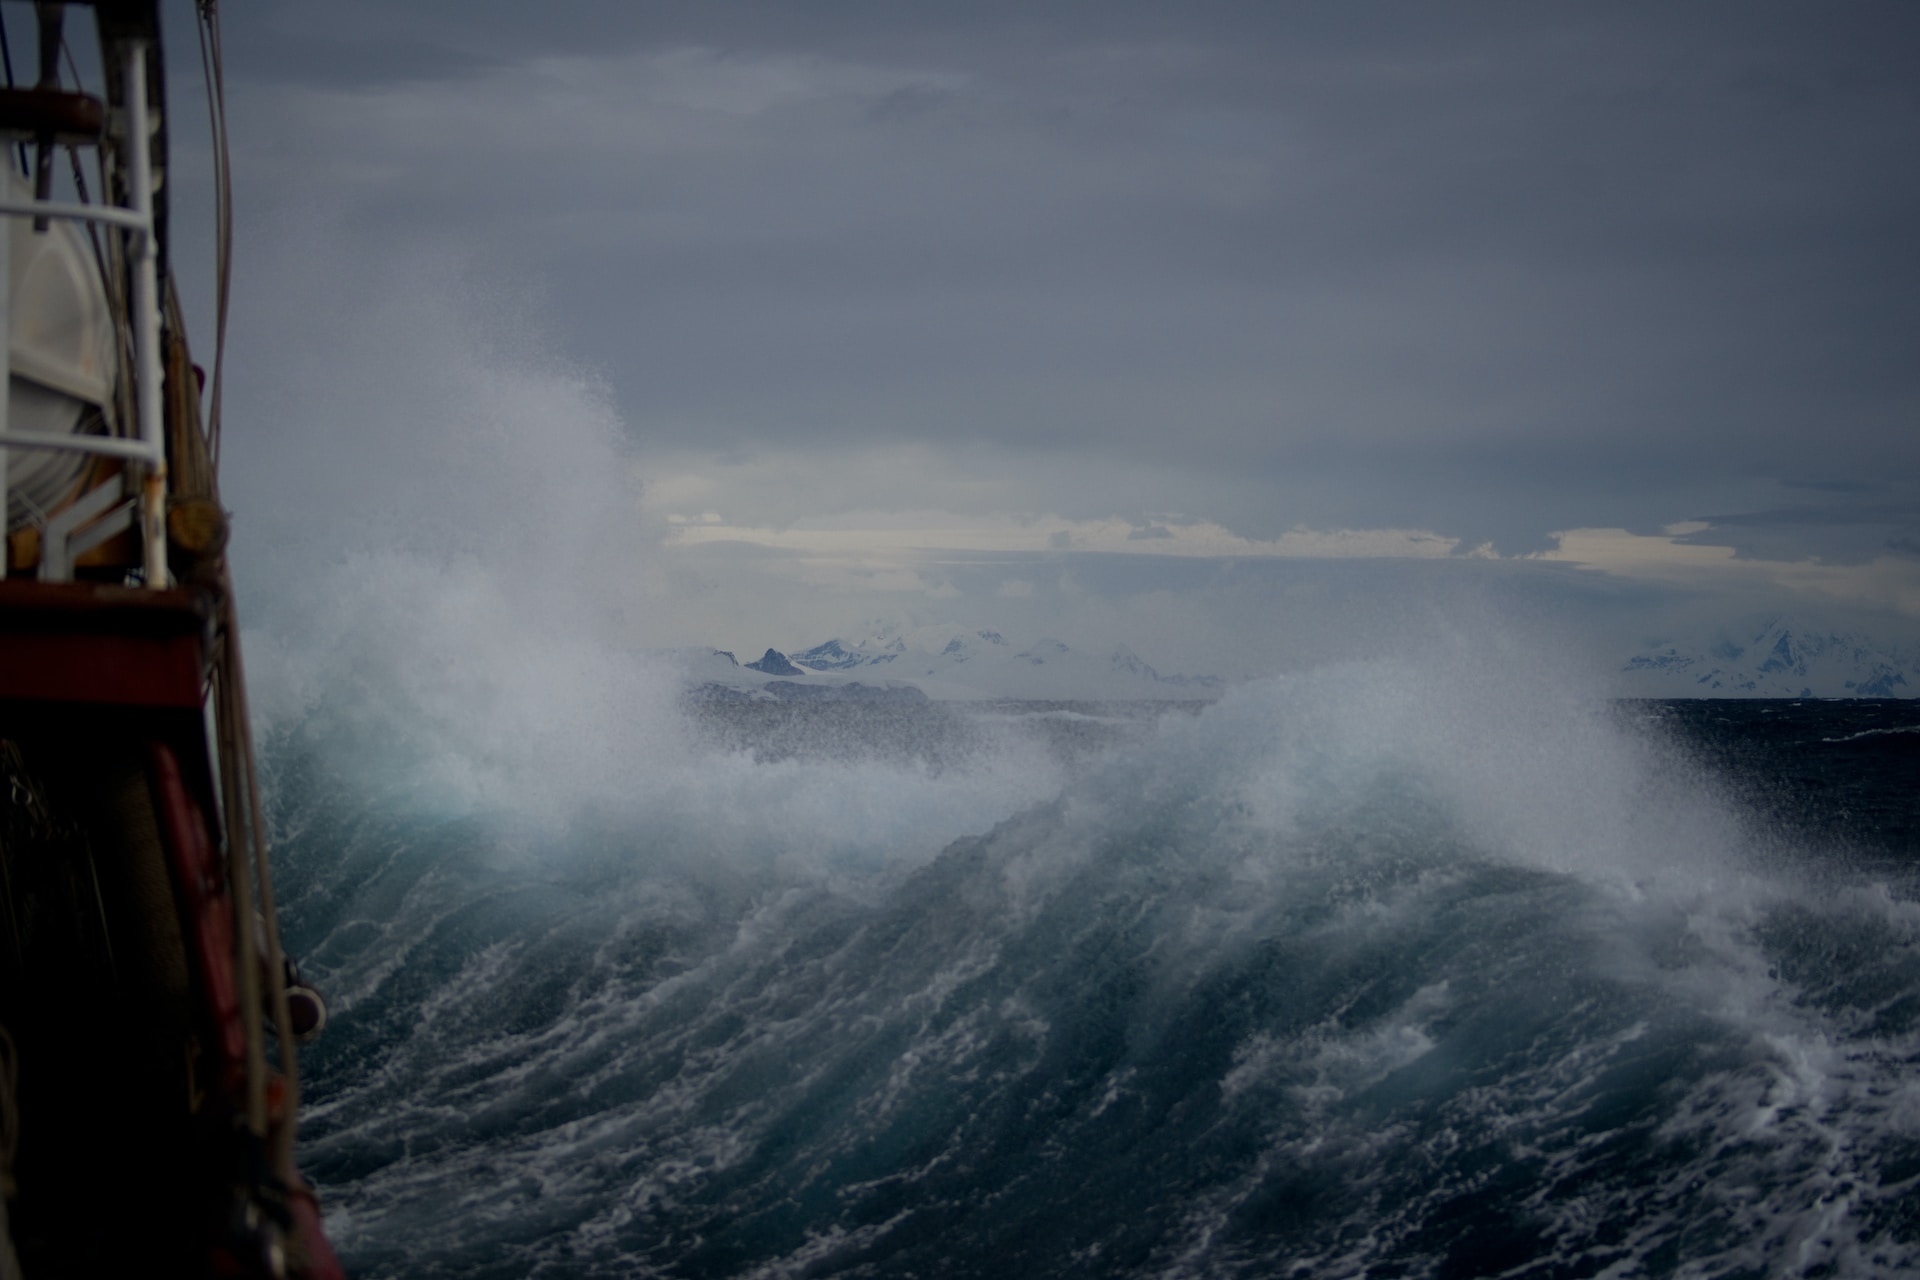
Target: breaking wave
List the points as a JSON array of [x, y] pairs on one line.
[[1416, 969], [1377, 970]]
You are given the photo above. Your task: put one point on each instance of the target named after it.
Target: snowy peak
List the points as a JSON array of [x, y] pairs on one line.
[[835, 656], [1044, 652], [1774, 658], [1125, 659], [962, 648], [774, 663]]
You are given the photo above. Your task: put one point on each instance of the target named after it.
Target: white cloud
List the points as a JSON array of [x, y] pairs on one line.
[[1887, 582], [919, 534]]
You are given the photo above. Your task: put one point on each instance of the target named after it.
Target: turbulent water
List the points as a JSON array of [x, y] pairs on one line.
[[1360, 972]]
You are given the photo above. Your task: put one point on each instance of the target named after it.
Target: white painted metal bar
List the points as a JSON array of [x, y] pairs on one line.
[[145, 319], [111, 215], [147, 444], [107, 526], [62, 542], [105, 446], [6, 382]]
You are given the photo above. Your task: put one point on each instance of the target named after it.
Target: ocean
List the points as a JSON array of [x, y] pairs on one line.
[[1353, 973]]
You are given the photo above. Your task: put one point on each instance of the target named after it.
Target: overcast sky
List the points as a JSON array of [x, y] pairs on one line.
[[1191, 325]]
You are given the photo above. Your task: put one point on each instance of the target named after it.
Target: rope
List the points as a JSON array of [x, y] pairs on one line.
[[9, 1140], [213, 73], [249, 867], [249, 870], [9, 1109], [276, 958], [6, 59], [240, 881]]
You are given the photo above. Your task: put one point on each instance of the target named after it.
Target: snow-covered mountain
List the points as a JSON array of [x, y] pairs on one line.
[[1773, 658], [715, 673], [947, 663], [774, 663], [1759, 657]]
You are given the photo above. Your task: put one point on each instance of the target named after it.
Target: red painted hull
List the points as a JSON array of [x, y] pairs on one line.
[[104, 729]]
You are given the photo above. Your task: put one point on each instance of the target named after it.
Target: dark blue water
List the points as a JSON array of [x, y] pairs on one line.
[[1352, 974]]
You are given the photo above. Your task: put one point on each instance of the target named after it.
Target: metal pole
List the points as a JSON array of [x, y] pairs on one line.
[[6, 378], [146, 320]]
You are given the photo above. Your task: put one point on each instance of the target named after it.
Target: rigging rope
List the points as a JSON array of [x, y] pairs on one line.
[[9, 1140], [256, 846], [6, 60], [212, 68]]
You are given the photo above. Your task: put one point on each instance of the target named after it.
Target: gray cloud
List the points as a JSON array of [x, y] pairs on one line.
[[1561, 238], [1493, 272], [1799, 517], [1842, 530]]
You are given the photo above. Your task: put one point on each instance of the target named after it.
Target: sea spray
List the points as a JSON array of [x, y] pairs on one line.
[[1424, 967], [1311, 980]]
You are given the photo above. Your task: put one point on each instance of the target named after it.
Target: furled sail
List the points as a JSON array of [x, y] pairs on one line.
[[61, 353]]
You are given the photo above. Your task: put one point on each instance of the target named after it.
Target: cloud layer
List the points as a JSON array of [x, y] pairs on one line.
[[1219, 284]]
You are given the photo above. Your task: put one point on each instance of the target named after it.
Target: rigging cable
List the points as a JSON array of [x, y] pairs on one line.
[[212, 64], [249, 858], [6, 60]]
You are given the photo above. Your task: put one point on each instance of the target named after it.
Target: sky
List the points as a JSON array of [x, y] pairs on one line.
[[1246, 335]]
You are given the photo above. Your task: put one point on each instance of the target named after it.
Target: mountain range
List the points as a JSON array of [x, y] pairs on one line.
[[1758, 657], [1773, 657]]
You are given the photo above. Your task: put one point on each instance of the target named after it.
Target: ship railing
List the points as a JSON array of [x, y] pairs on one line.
[[146, 446]]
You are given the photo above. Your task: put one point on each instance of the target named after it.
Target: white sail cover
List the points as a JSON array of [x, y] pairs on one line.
[[60, 353]]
